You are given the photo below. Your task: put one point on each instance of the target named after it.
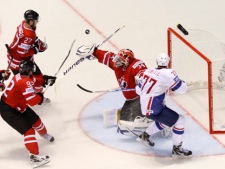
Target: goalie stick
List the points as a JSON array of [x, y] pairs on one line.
[[110, 36], [103, 91], [82, 59], [63, 61]]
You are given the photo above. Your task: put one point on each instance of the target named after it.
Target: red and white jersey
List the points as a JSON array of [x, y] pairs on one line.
[[156, 81], [152, 88], [20, 93], [125, 75], [22, 44]]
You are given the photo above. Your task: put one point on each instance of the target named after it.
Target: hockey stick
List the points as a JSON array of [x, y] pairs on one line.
[[66, 57], [63, 61], [82, 59], [110, 36], [103, 91], [10, 52]]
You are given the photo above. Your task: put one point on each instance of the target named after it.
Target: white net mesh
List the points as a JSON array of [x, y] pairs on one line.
[[193, 69]]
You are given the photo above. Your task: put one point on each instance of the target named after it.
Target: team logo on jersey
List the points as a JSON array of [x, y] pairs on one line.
[[122, 82], [176, 79], [29, 90], [148, 112], [24, 46]]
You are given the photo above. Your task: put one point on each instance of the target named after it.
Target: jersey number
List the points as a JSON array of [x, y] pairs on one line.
[[150, 81], [27, 40]]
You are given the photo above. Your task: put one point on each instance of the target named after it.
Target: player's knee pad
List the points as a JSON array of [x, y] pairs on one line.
[[178, 127]]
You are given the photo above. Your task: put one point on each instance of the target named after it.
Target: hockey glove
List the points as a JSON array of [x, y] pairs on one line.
[[42, 98], [86, 52], [137, 80], [39, 46], [49, 80], [5, 74], [2, 87]]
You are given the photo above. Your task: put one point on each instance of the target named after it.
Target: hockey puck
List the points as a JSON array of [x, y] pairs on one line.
[[182, 29], [87, 31]]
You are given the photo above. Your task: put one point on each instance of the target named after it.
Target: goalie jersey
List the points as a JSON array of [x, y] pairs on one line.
[[152, 87], [125, 75]]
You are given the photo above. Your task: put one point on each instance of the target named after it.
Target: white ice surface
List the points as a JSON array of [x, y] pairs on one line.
[[66, 118]]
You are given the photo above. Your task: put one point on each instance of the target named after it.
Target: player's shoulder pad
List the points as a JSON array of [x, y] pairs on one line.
[[137, 63]]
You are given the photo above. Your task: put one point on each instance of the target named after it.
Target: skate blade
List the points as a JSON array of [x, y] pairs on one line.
[[41, 164], [176, 156], [143, 142]]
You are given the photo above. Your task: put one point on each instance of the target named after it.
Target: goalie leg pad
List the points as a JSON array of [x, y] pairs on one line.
[[132, 129], [111, 117]]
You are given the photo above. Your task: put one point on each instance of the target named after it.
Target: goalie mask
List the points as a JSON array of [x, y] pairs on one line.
[[124, 57], [163, 60]]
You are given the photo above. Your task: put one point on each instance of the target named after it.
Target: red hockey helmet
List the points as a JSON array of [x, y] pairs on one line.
[[124, 57]]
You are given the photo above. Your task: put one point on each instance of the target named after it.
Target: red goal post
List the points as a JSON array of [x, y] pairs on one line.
[[198, 59]]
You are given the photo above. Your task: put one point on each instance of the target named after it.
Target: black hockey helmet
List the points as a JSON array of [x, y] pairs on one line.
[[31, 15], [26, 66]]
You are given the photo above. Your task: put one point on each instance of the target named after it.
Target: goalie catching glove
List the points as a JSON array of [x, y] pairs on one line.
[[49, 80], [39, 46], [86, 52]]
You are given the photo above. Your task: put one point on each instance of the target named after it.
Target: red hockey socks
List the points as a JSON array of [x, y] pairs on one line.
[[39, 127], [31, 142]]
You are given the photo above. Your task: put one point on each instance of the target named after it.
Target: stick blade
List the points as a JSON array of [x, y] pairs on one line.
[[182, 29], [84, 89]]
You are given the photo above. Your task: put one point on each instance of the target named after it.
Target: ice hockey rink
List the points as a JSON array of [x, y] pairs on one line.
[[74, 117]]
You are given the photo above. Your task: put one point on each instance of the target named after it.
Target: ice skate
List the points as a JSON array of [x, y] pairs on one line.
[[37, 160], [48, 137], [46, 100], [179, 152], [144, 139]]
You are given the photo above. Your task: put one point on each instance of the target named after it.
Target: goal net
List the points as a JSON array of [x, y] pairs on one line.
[[198, 58]]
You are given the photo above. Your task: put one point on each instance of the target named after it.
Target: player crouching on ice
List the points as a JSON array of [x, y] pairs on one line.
[[152, 87], [126, 67]]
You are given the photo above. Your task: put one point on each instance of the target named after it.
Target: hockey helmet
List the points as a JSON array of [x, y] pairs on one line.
[[124, 57], [26, 67], [163, 59], [31, 15]]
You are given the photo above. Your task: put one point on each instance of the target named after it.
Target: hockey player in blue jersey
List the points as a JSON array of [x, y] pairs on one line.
[[152, 88]]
